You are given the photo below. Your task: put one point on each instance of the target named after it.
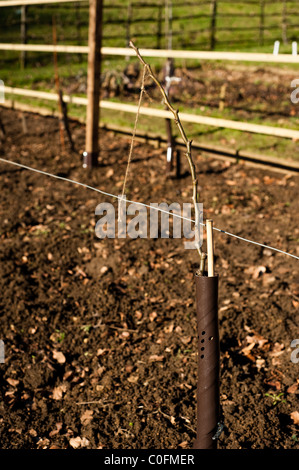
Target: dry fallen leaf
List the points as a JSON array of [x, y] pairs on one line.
[[258, 271], [293, 388], [183, 444], [133, 379], [79, 272], [152, 316], [104, 269], [260, 363], [59, 357], [247, 349], [58, 392], [268, 180], [274, 384], [169, 328], [295, 417], [255, 271], [257, 339], [226, 209], [56, 431], [86, 418], [138, 314], [230, 182], [277, 350], [155, 358], [109, 173], [268, 279], [77, 442], [43, 443], [154, 300], [223, 309], [185, 339], [247, 352], [13, 382], [100, 351], [172, 420]]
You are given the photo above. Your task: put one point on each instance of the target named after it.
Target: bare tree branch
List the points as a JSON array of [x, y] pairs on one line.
[[188, 154]]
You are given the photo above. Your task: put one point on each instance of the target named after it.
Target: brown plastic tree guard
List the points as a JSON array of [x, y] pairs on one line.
[[208, 402]]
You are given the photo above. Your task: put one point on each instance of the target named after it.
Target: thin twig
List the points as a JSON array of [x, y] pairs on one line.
[[134, 132], [121, 329], [173, 421], [188, 144], [98, 402]]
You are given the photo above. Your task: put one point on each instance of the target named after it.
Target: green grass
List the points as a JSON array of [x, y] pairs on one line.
[[39, 73], [192, 32], [232, 139]]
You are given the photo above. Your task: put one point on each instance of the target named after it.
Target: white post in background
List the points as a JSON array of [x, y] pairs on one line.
[[276, 48], [23, 34], [214, 8], [294, 48]]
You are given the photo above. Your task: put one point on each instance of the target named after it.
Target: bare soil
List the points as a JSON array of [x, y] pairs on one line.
[[249, 92], [100, 335]]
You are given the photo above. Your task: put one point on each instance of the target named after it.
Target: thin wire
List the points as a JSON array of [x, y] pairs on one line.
[[143, 204], [134, 131]]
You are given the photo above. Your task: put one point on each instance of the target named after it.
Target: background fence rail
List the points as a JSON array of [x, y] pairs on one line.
[[159, 53], [211, 24], [163, 114]]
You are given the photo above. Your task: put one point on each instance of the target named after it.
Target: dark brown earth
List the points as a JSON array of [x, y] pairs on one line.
[[100, 335], [249, 92]]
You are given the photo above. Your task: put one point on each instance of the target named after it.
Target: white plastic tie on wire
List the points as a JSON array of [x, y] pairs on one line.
[[2, 352], [145, 205], [171, 80], [169, 154]]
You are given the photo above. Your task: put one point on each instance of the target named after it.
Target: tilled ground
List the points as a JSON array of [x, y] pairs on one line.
[[100, 335], [249, 92]]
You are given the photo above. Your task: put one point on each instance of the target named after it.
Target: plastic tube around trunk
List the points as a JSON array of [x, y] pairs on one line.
[[208, 402]]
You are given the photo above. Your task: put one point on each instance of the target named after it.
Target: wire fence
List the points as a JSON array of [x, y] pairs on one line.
[[208, 25], [151, 207]]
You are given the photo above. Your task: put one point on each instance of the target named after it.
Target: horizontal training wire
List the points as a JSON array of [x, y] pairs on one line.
[[143, 204]]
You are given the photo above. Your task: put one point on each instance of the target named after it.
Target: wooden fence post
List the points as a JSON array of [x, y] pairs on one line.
[[159, 26], [128, 23], [128, 27], [78, 23], [23, 34], [213, 24], [168, 24], [262, 21], [78, 28], [284, 23], [90, 156]]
